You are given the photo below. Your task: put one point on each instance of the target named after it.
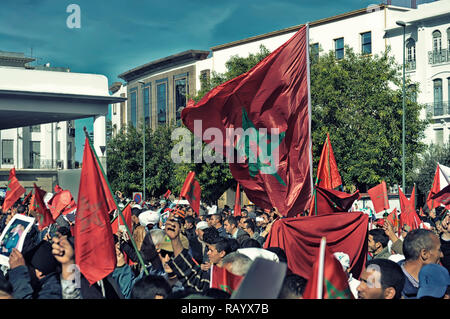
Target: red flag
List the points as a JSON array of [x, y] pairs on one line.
[[327, 172], [442, 197], [300, 238], [237, 202], [13, 192], [127, 216], [441, 181], [407, 205], [328, 280], [330, 200], [379, 197], [44, 216], [61, 203], [224, 280], [393, 218], [191, 191], [167, 194], [271, 159], [94, 244]]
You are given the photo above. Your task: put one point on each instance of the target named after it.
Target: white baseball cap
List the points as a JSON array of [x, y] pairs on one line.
[[149, 217]]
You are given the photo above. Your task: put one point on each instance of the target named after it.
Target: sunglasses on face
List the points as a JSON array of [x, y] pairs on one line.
[[164, 253]]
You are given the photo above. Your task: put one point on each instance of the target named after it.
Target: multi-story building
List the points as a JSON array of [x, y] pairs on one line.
[[43, 146]]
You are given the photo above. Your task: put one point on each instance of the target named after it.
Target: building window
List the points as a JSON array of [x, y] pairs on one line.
[[339, 48], [437, 97], [439, 135], [448, 39], [147, 105], [7, 151], [35, 128], [123, 111], [411, 50], [35, 154], [366, 43], [181, 88], [133, 101], [314, 52], [437, 42], [161, 100]]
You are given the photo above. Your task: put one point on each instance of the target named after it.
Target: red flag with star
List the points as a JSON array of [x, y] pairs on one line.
[[43, 213], [379, 197], [13, 192], [224, 280], [94, 243], [264, 119], [191, 191]]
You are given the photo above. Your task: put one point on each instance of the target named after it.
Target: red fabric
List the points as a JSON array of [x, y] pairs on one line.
[[191, 190], [443, 196], [407, 205], [27, 197], [435, 188], [127, 216], [335, 280], [300, 239], [61, 203], [237, 202], [272, 95], [327, 172], [379, 197], [44, 216], [167, 194], [330, 200], [94, 244], [224, 280], [13, 192]]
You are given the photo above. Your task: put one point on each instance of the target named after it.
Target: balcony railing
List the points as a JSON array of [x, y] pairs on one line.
[[437, 57], [439, 108]]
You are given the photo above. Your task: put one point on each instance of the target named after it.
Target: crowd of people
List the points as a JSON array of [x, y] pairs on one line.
[[171, 249]]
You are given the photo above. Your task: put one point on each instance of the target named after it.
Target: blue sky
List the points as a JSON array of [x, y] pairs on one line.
[[118, 35]]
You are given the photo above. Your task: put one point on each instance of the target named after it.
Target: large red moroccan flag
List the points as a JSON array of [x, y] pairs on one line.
[[263, 117], [237, 202], [300, 239], [327, 172], [379, 197], [13, 192], [328, 279], [94, 243], [224, 280], [44, 216], [191, 190]]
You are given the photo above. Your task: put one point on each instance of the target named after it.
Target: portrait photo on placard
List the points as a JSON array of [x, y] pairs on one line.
[[13, 236]]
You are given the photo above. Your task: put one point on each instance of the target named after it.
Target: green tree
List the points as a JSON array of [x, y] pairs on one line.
[[358, 100]]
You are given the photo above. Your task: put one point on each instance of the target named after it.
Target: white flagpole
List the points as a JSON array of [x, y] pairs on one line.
[[323, 243]]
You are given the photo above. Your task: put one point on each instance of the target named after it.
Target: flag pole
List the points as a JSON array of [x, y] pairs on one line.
[[323, 243], [141, 261]]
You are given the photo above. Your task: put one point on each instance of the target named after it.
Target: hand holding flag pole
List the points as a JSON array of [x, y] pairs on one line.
[[141, 261]]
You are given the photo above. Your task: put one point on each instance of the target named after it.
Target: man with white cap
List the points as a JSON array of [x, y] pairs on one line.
[[149, 219]]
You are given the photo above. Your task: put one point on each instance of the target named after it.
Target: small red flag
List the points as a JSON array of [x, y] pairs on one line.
[[13, 192], [61, 203], [237, 202], [127, 216], [327, 172], [94, 243], [224, 280], [167, 194], [379, 197], [191, 191], [44, 216], [328, 279]]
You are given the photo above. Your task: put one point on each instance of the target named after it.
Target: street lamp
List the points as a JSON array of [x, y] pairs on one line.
[[143, 146], [403, 25]]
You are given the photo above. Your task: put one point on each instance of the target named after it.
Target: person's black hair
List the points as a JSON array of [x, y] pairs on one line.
[[415, 241], [5, 285], [391, 274], [379, 236], [190, 219], [234, 244], [211, 235], [293, 287], [136, 211], [250, 242], [251, 224], [216, 293], [223, 245], [279, 252], [21, 209], [150, 286], [232, 220]]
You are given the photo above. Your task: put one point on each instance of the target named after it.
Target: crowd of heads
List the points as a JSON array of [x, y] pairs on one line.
[[414, 267]]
